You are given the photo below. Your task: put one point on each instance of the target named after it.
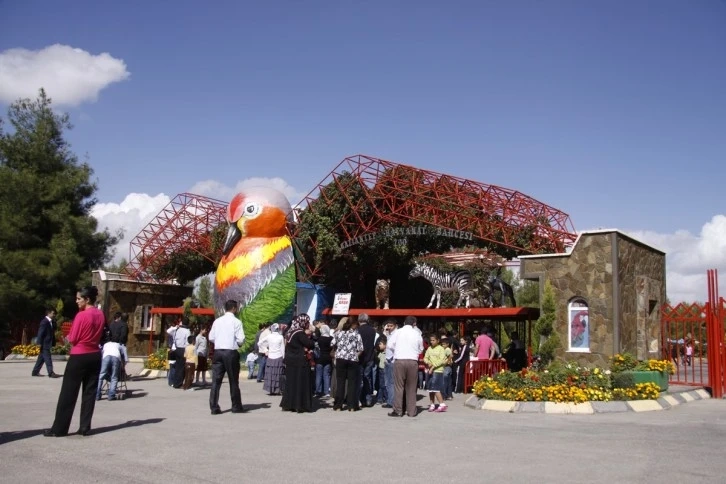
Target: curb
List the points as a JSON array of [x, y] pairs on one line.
[[665, 402]]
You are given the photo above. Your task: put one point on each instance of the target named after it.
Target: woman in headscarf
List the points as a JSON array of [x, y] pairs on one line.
[[297, 396], [276, 353], [324, 362]]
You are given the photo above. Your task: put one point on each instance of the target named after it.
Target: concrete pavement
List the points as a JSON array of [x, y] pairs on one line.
[[161, 434]]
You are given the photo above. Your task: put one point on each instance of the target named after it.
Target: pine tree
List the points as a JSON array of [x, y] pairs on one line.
[[204, 292], [48, 239], [549, 341]]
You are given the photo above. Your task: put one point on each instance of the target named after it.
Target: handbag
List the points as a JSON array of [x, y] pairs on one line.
[[316, 352], [309, 357], [171, 353]]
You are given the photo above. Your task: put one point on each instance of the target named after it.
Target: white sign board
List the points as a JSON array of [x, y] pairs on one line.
[[341, 303]]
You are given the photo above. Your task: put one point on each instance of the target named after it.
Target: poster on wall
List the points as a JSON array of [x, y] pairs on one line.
[[341, 303], [579, 329]]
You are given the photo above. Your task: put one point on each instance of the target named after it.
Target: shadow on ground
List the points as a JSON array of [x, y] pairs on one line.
[[7, 437], [127, 424]]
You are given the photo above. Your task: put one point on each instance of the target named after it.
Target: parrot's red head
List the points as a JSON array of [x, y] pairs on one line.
[[256, 212]]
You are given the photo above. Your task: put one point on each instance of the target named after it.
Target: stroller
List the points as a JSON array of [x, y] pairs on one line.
[[121, 388]]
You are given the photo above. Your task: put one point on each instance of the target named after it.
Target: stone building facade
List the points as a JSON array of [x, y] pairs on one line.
[[608, 291], [117, 292]]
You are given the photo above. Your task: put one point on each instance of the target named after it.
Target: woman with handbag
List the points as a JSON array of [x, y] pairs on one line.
[[348, 348], [83, 368], [297, 395]]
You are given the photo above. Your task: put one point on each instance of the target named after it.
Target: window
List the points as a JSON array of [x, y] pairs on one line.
[[146, 317], [578, 317]]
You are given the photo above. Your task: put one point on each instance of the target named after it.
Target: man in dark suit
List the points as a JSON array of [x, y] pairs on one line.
[[46, 340]]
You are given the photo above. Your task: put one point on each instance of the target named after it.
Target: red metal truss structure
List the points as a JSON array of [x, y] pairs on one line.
[[186, 223], [386, 194], [392, 193]]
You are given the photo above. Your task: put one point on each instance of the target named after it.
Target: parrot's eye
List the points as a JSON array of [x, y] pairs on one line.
[[252, 210]]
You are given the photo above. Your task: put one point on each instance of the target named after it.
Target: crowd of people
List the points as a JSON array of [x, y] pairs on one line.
[[357, 363]]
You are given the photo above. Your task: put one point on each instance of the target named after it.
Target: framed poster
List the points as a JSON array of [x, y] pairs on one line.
[[341, 303], [579, 328]]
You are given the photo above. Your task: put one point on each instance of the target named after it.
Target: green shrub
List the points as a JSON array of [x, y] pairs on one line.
[[61, 349], [623, 380]]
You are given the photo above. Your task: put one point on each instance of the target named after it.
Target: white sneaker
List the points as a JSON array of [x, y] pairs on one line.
[[442, 408], [432, 408]]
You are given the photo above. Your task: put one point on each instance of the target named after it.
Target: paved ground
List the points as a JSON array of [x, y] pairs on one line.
[[161, 434]]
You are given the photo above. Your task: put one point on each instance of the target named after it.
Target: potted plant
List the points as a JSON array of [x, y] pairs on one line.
[[628, 371]]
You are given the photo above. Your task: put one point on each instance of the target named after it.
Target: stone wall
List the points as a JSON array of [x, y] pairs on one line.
[[636, 293], [642, 291], [587, 272], [127, 296]]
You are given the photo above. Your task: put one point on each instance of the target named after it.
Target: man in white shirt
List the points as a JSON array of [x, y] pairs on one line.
[[406, 344], [180, 334], [227, 336], [389, 331], [262, 350], [114, 356]]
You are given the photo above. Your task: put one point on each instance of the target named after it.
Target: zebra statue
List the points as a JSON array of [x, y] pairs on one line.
[[460, 281]]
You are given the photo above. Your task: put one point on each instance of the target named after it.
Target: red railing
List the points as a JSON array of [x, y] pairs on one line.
[[476, 369], [715, 325], [684, 341]]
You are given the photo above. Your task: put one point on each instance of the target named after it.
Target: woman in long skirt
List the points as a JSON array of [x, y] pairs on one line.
[[297, 396], [275, 366]]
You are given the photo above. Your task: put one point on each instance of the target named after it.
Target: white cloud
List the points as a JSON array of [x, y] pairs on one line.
[[689, 256], [131, 215], [69, 75], [220, 191]]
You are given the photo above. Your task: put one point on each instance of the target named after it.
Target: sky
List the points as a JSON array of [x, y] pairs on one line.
[[613, 112]]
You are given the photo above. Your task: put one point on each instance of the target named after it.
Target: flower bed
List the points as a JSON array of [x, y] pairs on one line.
[[156, 360], [569, 383], [26, 350], [31, 351]]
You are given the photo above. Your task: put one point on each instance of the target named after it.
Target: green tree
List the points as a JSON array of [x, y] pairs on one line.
[[204, 292], [116, 268], [48, 240], [549, 341], [527, 294], [191, 318]]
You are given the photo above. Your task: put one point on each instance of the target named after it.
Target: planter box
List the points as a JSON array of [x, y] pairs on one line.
[[657, 377]]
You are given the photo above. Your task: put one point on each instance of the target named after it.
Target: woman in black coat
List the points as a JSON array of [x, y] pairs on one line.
[[323, 362], [297, 396]]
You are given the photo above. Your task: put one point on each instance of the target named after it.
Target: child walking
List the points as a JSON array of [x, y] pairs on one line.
[[435, 361], [190, 357], [381, 363], [201, 348]]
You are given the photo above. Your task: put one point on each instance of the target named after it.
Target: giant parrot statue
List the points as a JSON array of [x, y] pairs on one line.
[[257, 267]]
